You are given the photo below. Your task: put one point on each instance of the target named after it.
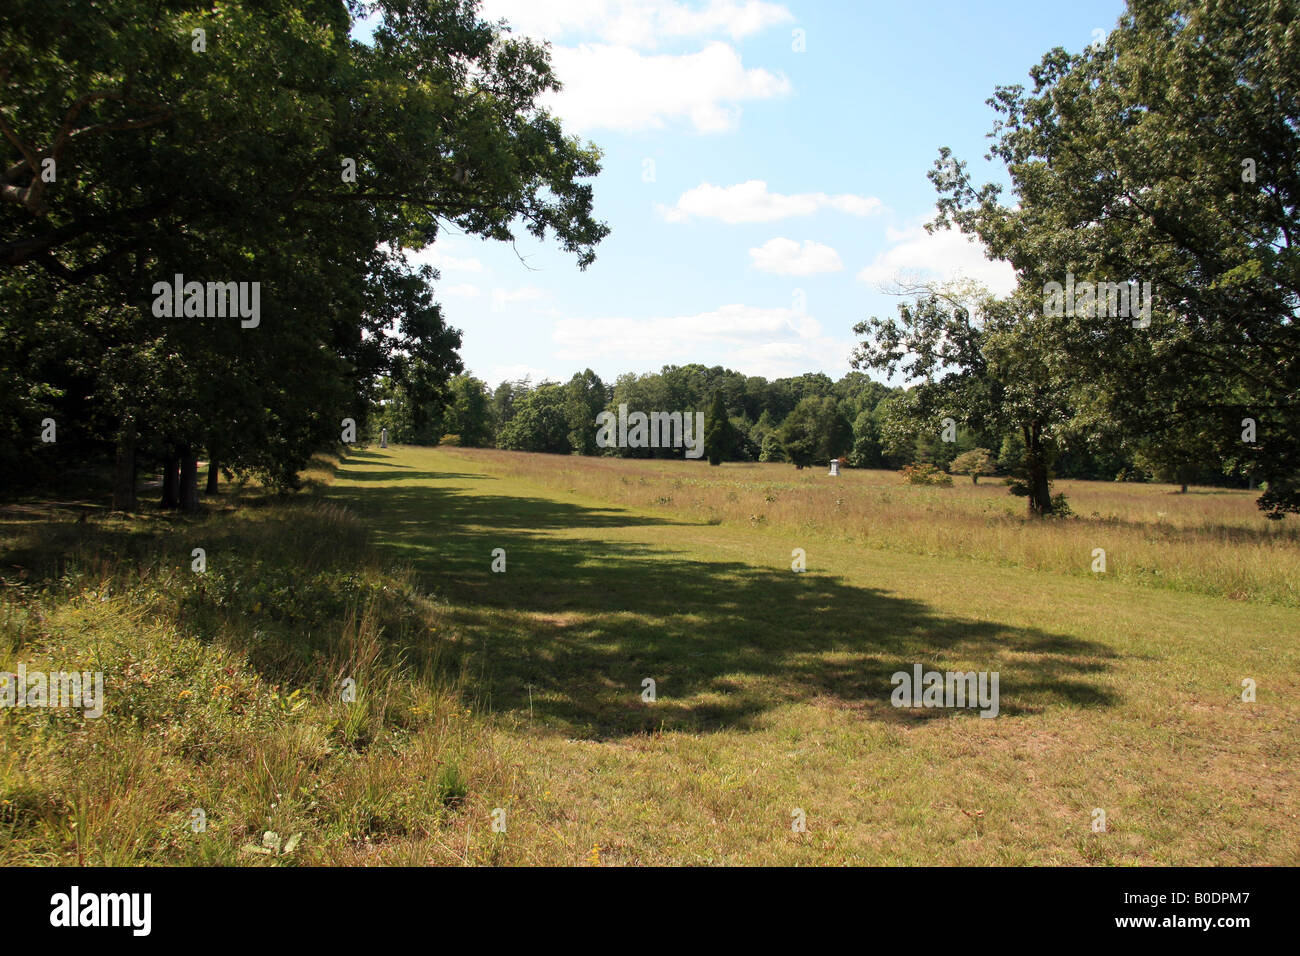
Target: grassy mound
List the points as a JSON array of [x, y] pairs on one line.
[[297, 687]]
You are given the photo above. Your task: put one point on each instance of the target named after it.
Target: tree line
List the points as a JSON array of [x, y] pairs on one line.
[[802, 420], [260, 147], [1153, 224]]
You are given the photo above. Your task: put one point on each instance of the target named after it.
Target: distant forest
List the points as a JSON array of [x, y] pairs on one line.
[[805, 420]]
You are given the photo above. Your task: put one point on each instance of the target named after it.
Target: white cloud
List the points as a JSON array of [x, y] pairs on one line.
[[785, 257], [529, 293], [436, 255], [637, 23], [751, 202], [513, 373], [679, 335], [615, 87], [757, 341], [943, 254], [782, 359]]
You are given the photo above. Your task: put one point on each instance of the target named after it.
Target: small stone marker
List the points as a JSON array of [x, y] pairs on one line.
[[383, 438], [835, 468]]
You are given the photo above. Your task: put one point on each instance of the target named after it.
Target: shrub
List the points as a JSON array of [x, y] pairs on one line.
[[1060, 507], [926, 474], [771, 450], [976, 462]]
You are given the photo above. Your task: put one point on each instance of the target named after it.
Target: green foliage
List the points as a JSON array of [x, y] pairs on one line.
[[469, 412], [540, 422], [585, 398], [719, 437], [228, 164], [505, 398], [976, 462], [407, 422], [1061, 507], [815, 431], [772, 449], [1115, 178], [867, 450], [983, 362]]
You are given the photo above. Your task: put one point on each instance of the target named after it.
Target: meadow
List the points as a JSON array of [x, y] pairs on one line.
[[516, 697], [1209, 540]]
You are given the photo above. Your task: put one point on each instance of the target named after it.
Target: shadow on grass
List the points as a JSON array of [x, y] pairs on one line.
[[352, 475], [567, 635]]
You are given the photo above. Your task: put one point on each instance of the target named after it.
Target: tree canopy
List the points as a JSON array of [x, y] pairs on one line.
[[256, 143], [1165, 155]]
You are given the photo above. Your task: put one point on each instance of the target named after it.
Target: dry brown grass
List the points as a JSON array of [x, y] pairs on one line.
[[1211, 541]]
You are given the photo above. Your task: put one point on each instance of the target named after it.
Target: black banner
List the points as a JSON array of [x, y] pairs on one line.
[[335, 906]]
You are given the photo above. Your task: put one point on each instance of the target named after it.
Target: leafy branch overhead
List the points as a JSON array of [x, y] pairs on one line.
[[257, 143]]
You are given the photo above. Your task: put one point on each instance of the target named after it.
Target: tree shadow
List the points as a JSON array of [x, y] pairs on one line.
[[567, 635], [371, 455], [352, 475], [1264, 533]]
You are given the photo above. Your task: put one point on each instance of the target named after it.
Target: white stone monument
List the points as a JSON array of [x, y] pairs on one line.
[[835, 468], [383, 438]]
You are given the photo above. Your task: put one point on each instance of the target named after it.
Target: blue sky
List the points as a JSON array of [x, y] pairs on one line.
[[758, 196]]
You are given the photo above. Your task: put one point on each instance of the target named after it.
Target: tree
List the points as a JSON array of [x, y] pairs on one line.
[[976, 462], [760, 431], [1116, 180], [539, 423], [743, 447], [163, 165], [772, 449], [396, 412], [867, 451], [585, 398], [989, 364], [506, 398], [469, 412], [815, 431], [798, 438], [1178, 456], [643, 393], [718, 434]]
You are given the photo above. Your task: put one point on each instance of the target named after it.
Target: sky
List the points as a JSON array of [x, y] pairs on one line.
[[764, 177]]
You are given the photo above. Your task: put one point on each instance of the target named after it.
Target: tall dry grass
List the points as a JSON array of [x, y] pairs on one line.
[[223, 694], [1210, 541]]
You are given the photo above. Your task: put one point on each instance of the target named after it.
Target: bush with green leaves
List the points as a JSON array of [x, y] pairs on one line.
[[976, 462]]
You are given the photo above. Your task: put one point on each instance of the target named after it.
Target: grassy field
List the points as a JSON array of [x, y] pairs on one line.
[[521, 691]]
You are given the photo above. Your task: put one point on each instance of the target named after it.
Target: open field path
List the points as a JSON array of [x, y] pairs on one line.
[[773, 689]]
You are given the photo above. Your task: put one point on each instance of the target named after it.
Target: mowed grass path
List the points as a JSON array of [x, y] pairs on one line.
[[774, 692]]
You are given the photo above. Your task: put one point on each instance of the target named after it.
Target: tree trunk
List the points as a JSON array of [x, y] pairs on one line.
[[974, 479], [124, 471], [1184, 491], [212, 475], [1040, 486], [171, 486], [189, 481]]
